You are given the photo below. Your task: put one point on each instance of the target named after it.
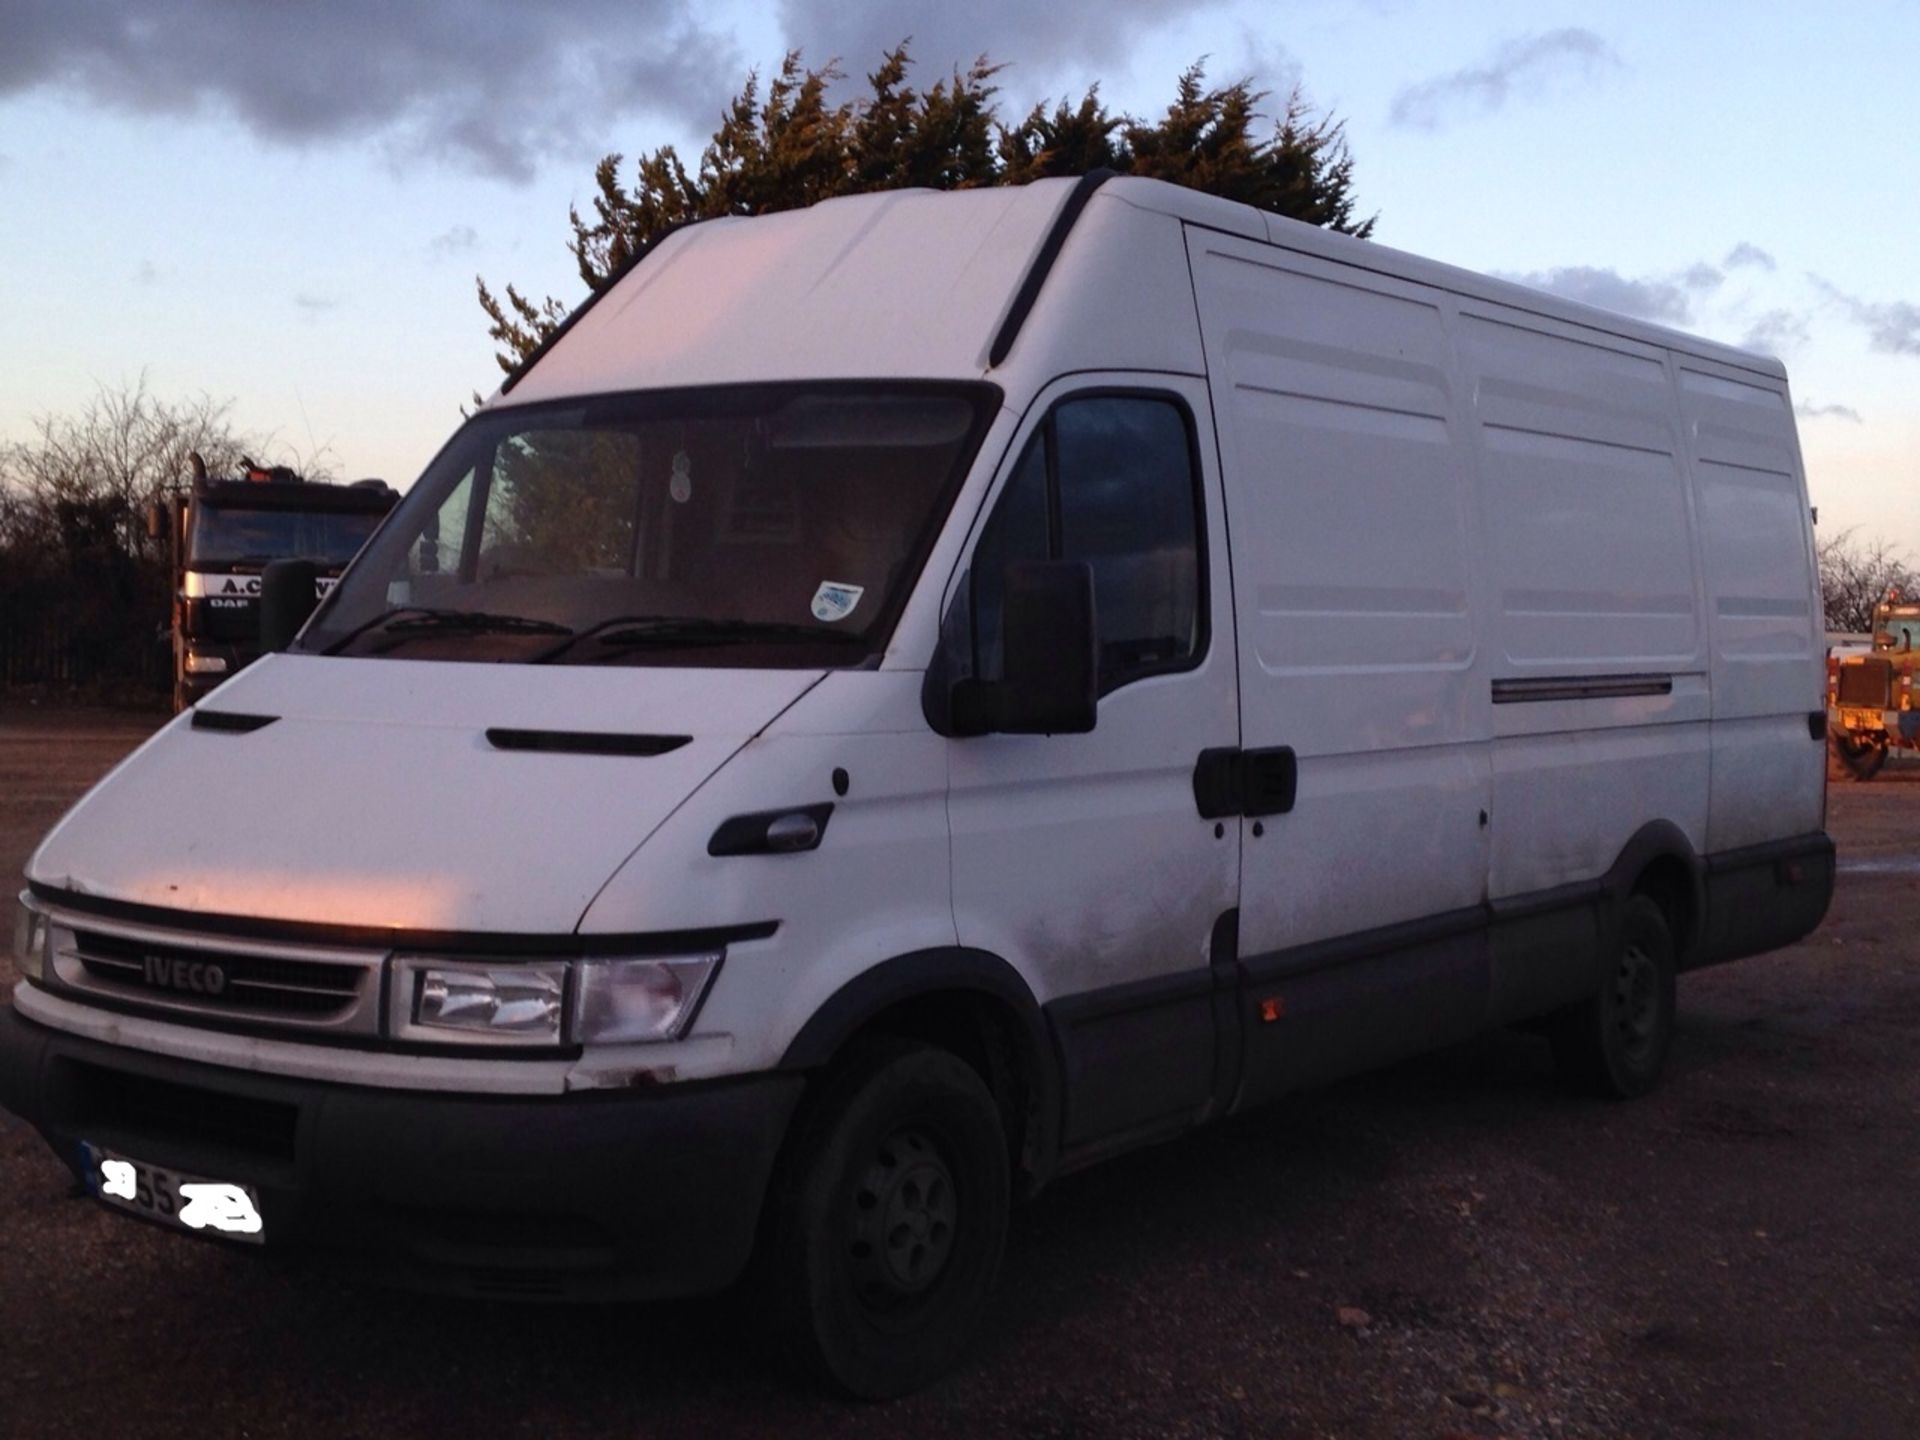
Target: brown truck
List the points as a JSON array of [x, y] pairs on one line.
[[1871, 702]]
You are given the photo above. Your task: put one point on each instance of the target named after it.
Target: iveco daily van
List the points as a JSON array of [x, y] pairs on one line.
[[908, 697]]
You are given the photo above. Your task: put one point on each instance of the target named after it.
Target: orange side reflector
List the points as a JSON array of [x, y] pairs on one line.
[[1272, 1007]]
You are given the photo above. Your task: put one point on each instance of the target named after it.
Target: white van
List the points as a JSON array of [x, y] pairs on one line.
[[909, 697]]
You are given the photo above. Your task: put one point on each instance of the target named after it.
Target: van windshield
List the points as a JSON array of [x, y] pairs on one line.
[[765, 525]]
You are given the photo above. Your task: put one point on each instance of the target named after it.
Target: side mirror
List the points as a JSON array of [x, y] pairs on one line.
[[288, 593], [1050, 657]]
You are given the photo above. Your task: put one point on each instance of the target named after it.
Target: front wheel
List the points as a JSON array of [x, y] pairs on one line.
[[1615, 1045], [890, 1220], [1861, 759]]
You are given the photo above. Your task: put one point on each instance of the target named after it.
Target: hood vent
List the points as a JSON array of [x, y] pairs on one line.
[[230, 721], [585, 742]]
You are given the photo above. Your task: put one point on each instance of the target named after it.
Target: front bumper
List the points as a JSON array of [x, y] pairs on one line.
[[633, 1194], [1902, 726]]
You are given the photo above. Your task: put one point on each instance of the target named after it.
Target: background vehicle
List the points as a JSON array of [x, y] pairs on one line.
[[221, 534], [1872, 705]]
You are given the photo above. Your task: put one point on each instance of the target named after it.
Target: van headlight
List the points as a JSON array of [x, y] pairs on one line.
[[32, 938], [547, 1002]]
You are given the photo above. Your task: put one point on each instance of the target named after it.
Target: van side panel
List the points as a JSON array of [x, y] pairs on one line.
[[1768, 771], [1349, 512], [1595, 625]]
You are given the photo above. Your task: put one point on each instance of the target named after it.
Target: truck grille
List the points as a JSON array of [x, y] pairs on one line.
[[220, 981], [1867, 683]]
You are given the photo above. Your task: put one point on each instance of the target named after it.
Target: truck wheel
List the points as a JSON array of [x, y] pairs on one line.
[[890, 1221], [1615, 1044], [1861, 759]]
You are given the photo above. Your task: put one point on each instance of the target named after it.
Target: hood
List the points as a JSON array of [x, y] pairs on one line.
[[375, 798]]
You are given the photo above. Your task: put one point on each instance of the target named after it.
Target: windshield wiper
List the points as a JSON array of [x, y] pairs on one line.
[[632, 632], [405, 621]]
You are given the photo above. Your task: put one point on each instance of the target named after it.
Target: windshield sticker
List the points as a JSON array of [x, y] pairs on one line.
[[834, 601], [680, 486]]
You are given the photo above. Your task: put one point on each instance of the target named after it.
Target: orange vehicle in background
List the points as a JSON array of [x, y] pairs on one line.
[[1871, 705]]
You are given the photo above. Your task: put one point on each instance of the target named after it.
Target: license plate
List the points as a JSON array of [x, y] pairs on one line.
[[186, 1202]]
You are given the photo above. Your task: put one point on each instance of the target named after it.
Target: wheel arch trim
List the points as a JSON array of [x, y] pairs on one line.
[[920, 975], [1662, 844]]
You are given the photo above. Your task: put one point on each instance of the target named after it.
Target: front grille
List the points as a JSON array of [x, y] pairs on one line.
[[1866, 682], [139, 1106], [217, 980]]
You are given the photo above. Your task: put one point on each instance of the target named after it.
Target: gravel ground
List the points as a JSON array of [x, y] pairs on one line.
[[1450, 1248]]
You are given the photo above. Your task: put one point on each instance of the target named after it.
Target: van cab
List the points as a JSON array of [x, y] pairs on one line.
[[909, 697]]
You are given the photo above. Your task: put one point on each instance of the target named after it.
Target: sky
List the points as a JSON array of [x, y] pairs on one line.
[[285, 204]]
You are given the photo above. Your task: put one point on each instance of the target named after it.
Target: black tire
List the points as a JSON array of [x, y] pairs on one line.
[[1615, 1045], [890, 1219], [1862, 760]]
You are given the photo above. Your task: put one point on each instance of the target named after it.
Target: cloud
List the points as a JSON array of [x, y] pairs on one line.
[[1664, 299], [1271, 66], [491, 85], [1524, 66], [1038, 41], [1807, 410], [453, 241], [1746, 253], [1701, 277], [1892, 326], [1777, 332]]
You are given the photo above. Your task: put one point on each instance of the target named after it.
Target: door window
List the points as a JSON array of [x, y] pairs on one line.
[[1108, 479]]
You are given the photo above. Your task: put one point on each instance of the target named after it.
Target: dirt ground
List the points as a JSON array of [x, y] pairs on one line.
[[1451, 1248]]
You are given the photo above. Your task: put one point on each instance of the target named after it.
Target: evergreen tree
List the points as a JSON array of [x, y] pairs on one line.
[[794, 148]]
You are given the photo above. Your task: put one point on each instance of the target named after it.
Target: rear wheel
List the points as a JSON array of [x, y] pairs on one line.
[[1615, 1045], [890, 1220]]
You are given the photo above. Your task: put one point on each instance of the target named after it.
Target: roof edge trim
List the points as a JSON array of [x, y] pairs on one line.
[[1029, 291]]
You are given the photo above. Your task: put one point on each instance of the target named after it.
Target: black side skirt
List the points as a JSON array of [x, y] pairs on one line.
[[1146, 1060]]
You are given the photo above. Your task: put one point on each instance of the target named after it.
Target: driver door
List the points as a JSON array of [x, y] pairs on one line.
[[1084, 859]]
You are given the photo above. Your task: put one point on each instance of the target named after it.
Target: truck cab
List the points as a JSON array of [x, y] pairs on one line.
[[222, 534]]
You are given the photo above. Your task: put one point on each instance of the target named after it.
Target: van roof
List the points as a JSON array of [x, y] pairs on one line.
[[916, 283]]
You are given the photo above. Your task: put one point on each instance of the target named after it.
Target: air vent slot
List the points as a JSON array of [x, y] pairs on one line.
[[230, 721], [585, 742]]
